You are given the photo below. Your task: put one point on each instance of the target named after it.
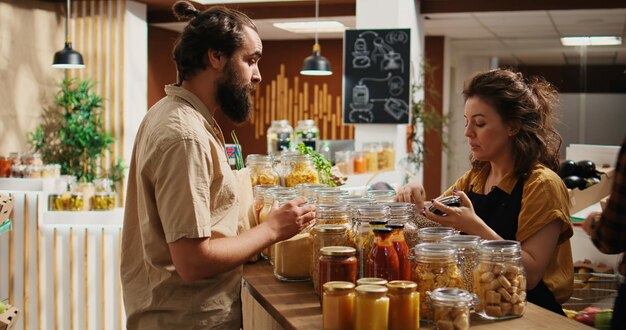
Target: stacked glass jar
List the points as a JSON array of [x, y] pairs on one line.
[[262, 171], [330, 195], [301, 169], [404, 213], [467, 256]]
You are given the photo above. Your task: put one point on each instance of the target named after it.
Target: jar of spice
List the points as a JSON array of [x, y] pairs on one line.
[[301, 170], [337, 263], [450, 308], [467, 256], [360, 164], [402, 249], [434, 267], [383, 261], [371, 308], [434, 234], [262, 170], [404, 305], [323, 236], [338, 305], [500, 280]]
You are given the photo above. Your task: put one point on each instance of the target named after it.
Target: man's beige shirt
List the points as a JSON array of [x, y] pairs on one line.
[[179, 185]]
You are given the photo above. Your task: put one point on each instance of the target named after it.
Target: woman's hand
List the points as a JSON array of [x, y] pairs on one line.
[[412, 192], [590, 222], [462, 218]]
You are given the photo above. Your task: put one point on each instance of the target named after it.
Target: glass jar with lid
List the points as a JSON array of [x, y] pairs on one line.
[[404, 213], [301, 170], [467, 256], [337, 263], [307, 133], [279, 137], [366, 218], [434, 234], [434, 266], [382, 260], [5, 166], [104, 201], [402, 250], [371, 150], [262, 170], [323, 236], [371, 308], [332, 214], [404, 305], [388, 153], [450, 308], [308, 190], [371, 281], [382, 196], [76, 202], [288, 256], [360, 164], [259, 193], [269, 197], [344, 162], [338, 305], [500, 280], [330, 195]]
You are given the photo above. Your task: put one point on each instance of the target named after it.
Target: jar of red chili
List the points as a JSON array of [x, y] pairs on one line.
[[337, 263], [382, 260], [402, 249]]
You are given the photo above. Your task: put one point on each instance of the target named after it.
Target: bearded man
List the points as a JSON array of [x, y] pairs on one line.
[[182, 257]]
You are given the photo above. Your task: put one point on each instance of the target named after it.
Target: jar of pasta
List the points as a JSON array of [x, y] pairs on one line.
[[279, 137], [500, 280], [404, 213], [371, 156], [262, 170], [434, 234], [330, 195], [434, 266], [332, 214], [308, 190], [301, 170], [365, 220], [371, 308], [450, 308], [467, 256], [338, 305], [337, 263], [323, 236], [382, 196], [404, 305]]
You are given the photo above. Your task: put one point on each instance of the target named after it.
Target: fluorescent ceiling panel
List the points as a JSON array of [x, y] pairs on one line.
[[591, 41]]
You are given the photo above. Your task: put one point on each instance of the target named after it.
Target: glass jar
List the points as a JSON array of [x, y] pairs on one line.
[[371, 156], [382, 196], [330, 195], [360, 165], [259, 192], [434, 266], [103, 185], [388, 153], [404, 305], [32, 159], [434, 234], [467, 256], [88, 190], [323, 236], [337, 263], [362, 233], [308, 190], [500, 280], [371, 281], [262, 170], [371, 308], [307, 133], [288, 255], [344, 162], [104, 201], [5, 167], [301, 170], [59, 202], [450, 308], [332, 214], [16, 158], [382, 261], [404, 213], [402, 250], [279, 137], [269, 197], [76, 202], [17, 170], [338, 305]]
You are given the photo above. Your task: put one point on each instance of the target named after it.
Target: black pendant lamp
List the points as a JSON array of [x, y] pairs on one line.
[[316, 64], [68, 58]]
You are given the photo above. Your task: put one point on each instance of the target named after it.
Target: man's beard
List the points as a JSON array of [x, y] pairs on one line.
[[234, 99]]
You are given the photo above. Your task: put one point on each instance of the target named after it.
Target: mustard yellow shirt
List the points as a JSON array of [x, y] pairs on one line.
[[544, 199]]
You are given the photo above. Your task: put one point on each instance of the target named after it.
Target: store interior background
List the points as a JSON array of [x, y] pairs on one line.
[[127, 46]]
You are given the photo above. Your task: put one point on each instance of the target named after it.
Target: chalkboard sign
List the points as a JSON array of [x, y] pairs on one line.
[[376, 86]]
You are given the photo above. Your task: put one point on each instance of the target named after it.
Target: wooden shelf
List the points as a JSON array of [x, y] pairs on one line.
[[83, 218]]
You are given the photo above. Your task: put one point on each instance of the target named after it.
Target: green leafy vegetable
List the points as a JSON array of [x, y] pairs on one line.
[[322, 165], [239, 164]]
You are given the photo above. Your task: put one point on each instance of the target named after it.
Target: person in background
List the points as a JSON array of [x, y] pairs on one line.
[[512, 191], [181, 263], [608, 232]]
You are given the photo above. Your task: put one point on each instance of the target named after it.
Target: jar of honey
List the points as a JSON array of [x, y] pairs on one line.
[[338, 305], [404, 305], [371, 308]]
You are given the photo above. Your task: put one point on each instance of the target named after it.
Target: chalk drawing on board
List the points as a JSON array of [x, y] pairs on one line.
[[360, 55], [394, 107]]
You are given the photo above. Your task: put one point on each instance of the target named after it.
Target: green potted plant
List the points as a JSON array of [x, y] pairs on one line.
[[72, 133]]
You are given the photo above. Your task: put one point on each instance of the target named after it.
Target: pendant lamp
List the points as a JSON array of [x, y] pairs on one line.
[[316, 64], [68, 58]]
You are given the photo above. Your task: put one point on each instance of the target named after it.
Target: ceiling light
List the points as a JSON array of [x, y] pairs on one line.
[[311, 26], [68, 58], [591, 41], [316, 64]]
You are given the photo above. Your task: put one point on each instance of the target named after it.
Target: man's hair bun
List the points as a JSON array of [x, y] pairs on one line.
[[184, 10]]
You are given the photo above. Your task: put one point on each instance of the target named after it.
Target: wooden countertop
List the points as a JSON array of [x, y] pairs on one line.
[[295, 306]]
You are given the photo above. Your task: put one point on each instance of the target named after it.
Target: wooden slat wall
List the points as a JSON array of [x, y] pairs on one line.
[[284, 98]]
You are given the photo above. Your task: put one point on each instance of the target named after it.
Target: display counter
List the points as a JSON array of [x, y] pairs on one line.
[[271, 304]]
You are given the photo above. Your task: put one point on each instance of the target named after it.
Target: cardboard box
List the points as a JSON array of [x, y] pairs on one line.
[[581, 199], [8, 318]]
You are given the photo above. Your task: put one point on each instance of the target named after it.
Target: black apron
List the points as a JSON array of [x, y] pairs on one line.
[[500, 212]]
